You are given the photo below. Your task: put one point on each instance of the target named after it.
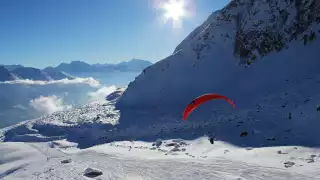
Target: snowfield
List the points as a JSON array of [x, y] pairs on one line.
[[261, 54], [140, 160]]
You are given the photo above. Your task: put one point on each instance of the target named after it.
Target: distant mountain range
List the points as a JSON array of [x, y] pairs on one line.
[[79, 66], [12, 72], [31, 73]]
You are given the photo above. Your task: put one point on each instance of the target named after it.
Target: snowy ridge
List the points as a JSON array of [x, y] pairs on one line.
[[196, 32]]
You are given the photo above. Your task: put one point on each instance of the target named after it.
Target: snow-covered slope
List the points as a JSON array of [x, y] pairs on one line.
[[249, 52]]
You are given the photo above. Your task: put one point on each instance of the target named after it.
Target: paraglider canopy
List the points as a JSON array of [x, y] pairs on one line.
[[202, 99]]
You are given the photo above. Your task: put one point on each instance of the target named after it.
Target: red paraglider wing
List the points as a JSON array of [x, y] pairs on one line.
[[202, 99]]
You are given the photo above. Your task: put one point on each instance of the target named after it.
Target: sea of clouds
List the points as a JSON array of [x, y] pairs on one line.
[[27, 99], [90, 81]]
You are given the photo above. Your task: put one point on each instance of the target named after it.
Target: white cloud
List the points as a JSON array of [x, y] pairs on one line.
[[48, 104], [101, 93], [90, 81]]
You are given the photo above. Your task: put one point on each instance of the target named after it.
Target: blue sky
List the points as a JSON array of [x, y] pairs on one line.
[[42, 33]]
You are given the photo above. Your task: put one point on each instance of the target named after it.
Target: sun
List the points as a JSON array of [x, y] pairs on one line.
[[174, 9]]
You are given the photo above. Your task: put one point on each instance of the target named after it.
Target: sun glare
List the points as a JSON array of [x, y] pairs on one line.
[[175, 10]]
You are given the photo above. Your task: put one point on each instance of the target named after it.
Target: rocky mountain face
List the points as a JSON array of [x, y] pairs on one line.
[[257, 27]]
